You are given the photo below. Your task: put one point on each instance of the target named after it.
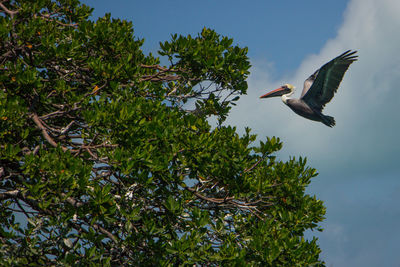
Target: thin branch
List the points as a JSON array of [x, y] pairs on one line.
[[46, 135], [59, 112], [48, 18], [22, 209], [34, 204], [232, 202], [66, 128], [214, 200], [105, 232], [73, 202], [35, 150], [100, 145], [158, 67], [9, 194], [52, 114], [95, 157], [52, 129], [157, 77], [78, 204], [6, 10], [254, 165], [96, 90], [255, 213]]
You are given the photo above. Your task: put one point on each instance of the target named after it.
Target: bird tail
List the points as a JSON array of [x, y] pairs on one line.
[[328, 121]]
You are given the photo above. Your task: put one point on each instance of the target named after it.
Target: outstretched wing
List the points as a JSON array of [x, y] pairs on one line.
[[320, 87], [307, 83]]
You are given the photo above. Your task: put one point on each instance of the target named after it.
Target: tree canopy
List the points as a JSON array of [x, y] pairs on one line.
[[107, 155]]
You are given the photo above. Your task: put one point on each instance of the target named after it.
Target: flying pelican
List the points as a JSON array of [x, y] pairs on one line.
[[318, 89]]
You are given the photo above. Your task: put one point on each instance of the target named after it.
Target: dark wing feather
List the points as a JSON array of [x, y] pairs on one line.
[[327, 80]]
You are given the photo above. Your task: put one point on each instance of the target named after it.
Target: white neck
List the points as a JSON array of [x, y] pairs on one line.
[[286, 97]]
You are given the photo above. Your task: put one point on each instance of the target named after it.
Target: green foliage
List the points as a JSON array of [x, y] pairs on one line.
[[107, 157]]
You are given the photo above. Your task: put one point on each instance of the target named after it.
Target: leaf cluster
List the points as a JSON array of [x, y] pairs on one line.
[[107, 157]]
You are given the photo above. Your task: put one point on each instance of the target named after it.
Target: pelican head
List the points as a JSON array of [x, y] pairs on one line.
[[283, 90]]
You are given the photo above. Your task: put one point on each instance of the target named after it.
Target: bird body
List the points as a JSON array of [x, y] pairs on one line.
[[318, 89], [301, 108]]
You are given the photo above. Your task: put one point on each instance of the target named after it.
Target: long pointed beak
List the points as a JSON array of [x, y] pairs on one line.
[[277, 92]]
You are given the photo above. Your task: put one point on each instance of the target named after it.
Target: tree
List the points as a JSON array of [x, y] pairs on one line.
[[107, 156]]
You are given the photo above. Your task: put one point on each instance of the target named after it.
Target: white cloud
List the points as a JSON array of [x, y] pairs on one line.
[[364, 143], [365, 108]]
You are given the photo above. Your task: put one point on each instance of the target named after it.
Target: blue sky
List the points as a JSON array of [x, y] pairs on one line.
[[357, 160]]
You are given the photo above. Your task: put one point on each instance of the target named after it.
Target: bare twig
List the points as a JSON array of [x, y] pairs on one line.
[[46, 135], [52, 129], [18, 194], [72, 201], [255, 213], [66, 128], [97, 227], [52, 114], [158, 77], [9, 194], [160, 68], [105, 232], [96, 90], [226, 200], [254, 165], [214, 200], [60, 112], [95, 157], [48, 18], [100, 145], [6, 10], [22, 209]]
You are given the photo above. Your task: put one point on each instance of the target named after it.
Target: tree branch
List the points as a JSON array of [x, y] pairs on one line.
[[241, 204], [70, 200], [9, 194], [159, 77], [97, 227], [105, 232], [158, 67], [6, 10], [48, 18], [46, 135], [254, 165]]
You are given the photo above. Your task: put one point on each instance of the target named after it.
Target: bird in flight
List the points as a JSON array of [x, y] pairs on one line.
[[318, 89]]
